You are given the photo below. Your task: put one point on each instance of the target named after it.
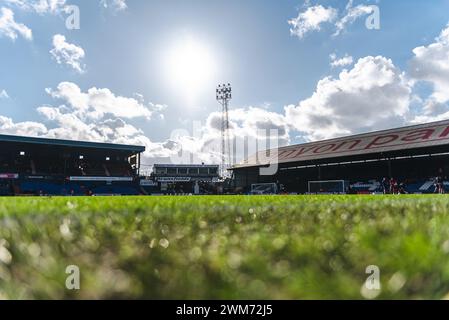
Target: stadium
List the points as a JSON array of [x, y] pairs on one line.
[[413, 156], [201, 151], [159, 236]]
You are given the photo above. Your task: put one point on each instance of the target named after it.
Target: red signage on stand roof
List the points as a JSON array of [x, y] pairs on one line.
[[418, 136]]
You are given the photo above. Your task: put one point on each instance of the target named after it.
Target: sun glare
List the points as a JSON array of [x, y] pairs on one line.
[[189, 66]]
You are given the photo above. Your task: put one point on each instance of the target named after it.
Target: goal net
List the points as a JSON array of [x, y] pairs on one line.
[[327, 186], [264, 188]]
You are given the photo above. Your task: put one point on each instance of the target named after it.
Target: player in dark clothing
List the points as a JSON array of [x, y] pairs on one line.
[[439, 185], [401, 189], [385, 185]]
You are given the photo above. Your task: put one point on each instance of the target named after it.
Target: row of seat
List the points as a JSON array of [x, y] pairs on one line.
[[41, 167]]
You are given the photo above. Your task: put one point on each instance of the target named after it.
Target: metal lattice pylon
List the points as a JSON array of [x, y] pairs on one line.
[[224, 95]]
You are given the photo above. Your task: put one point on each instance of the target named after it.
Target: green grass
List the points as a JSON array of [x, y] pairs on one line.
[[276, 247]]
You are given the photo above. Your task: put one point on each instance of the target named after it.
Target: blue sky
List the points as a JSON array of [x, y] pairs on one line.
[[128, 49]]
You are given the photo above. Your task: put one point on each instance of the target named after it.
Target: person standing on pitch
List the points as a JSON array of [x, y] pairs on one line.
[[385, 185]]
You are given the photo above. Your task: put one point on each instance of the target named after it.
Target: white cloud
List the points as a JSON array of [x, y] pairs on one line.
[[57, 6], [98, 103], [248, 124], [432, 111], [100, 115], [10, 28], [27, 128], [203, 143], [346, 60], [431, 63], [311, 20], [315, 16], [375, 94], [67, 124], [116, 5], [67, 53], [39, 6], [352, 14], [372, 95], [4, 94], [249, 121]]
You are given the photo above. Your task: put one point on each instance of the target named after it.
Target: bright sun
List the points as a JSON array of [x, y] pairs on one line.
[[189, 66]]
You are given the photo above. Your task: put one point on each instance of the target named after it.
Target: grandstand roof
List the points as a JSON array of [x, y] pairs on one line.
[[71, 143], [410, 137]]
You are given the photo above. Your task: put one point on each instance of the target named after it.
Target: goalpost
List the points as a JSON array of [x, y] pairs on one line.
[[327, 186], [264, 188]]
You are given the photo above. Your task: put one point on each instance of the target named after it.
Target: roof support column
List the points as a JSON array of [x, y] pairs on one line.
[[138, 163]]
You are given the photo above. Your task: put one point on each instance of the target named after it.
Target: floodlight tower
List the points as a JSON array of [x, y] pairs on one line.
[[224, 95]]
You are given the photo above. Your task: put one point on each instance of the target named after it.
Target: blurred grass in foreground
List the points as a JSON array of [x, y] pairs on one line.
[[233, 247]]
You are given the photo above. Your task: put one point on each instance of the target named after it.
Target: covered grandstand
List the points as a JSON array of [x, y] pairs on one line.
[[414, 155], [183, 179], [39, 166]]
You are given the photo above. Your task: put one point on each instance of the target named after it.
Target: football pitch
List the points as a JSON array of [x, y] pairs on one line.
[[225, 247]]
